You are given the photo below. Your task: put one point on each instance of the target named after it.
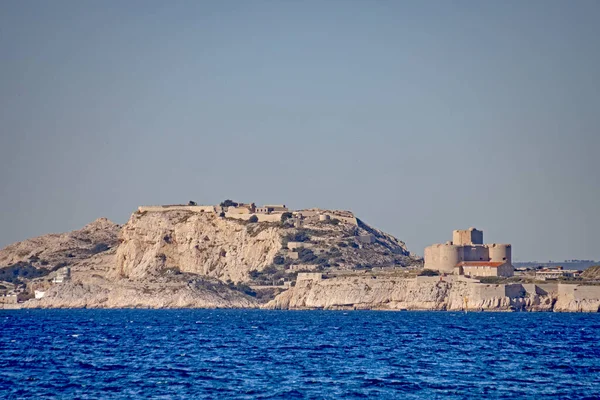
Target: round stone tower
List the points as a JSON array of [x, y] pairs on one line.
[[442, 257], [500, 253]]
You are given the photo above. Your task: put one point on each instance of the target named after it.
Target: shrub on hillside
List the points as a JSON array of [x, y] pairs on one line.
[[306, 255], [428, 272], [270, 270], [253, 219], [22, 269], [228, 203], [254, 274], [99, 248], [285, 216], [300, 236], [241, 287]]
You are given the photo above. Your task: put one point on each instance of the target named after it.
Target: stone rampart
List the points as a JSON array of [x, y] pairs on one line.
[[261, 217], [485, 292], [582, 293], [176, 208], [309, 276], [516, 290], [298, 245]]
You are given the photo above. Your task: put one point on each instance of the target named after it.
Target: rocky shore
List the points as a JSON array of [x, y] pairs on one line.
[[434, 293], [181, 258]]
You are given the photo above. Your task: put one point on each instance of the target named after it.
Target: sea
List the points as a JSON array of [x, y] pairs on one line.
[[260, 354]]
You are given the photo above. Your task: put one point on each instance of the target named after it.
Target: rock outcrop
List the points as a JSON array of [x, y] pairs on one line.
[[198, 243], [181, 258], [230, 249], [48, 251], [90, 254], [421, 293], [187, 258]]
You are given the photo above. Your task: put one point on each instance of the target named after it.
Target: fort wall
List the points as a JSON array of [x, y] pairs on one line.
[[475, 253], [298, 245], [582, 293], [176, 208], [486, 292], [517, 290], [467, 246], [467, 236], [309, 276], [442, 257], [261, 217]]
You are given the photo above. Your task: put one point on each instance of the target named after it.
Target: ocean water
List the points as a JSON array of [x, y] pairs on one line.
[[248, 354]]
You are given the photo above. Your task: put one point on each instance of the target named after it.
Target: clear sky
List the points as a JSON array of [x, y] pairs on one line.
[[420, 116]]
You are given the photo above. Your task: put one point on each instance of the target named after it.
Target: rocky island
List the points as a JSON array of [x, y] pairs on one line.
[[237, 255]]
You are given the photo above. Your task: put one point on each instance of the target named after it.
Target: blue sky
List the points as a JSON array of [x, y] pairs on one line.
[[421, 117]]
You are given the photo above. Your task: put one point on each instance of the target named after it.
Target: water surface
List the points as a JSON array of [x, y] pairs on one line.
[[247, 354]]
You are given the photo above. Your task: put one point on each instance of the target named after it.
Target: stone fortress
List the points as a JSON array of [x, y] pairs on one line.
[[266, 213], [466, 254]]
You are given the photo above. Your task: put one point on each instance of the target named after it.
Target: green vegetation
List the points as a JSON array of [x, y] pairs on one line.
[[306, 256], [253, 219], [228, 203], [241, 287], [14, 273], [429, 272], [491, 280], [99, 248], [300, 236], [285, 216]]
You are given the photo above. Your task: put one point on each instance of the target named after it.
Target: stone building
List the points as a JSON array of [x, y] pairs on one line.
[[62, 275], [272, 208], [242, 209], [466, 254]]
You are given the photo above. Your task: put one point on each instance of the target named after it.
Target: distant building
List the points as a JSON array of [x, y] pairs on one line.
[[272, 208], [467, 255], [366, 238], [555, 273], [300, 245], [62, 275]]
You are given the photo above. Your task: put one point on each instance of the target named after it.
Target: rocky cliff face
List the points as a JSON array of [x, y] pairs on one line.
[[230, 249], [91, 255], [198, 243], [389, 293], [180, 258], [47, 251]]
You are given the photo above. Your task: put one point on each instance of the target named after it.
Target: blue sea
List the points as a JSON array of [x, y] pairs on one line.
[[253, 354]]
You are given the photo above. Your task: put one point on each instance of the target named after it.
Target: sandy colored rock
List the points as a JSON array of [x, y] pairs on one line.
[[421, 293]]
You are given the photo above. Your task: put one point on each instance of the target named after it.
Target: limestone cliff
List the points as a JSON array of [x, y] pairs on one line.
[[230, 249], [198, 243], [183, 258], [395, 293], [90, 253], [48, 251], [90, 287]]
